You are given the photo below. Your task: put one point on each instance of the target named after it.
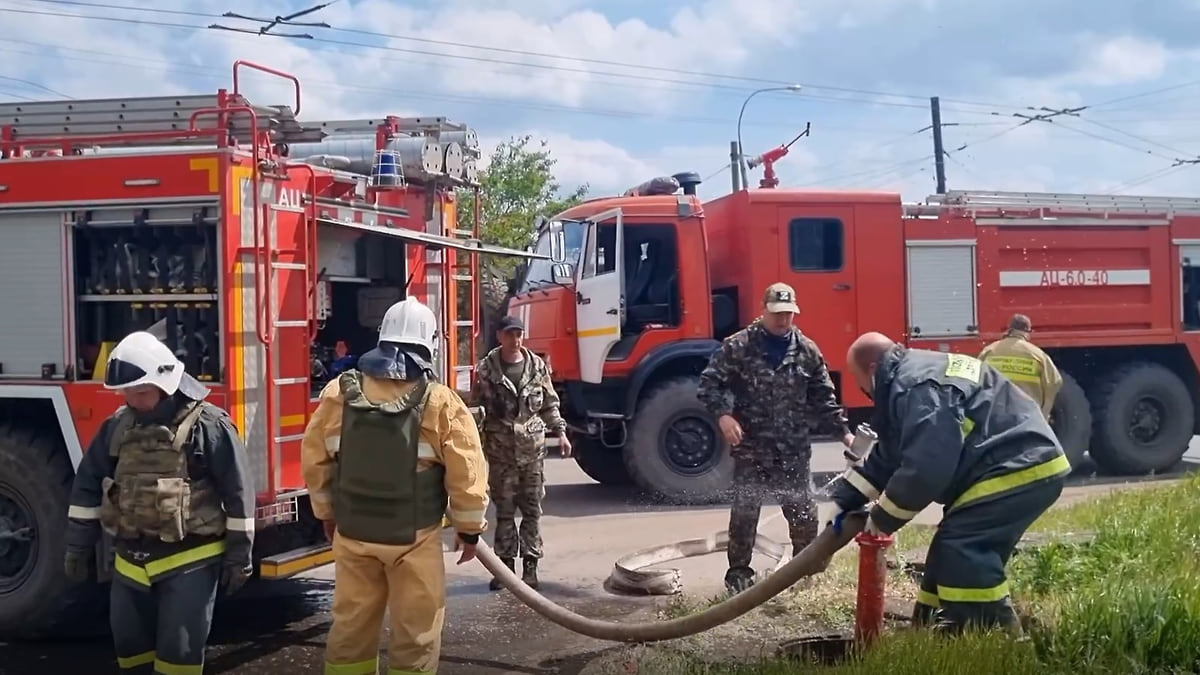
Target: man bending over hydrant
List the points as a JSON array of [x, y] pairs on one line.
[[953, 431]]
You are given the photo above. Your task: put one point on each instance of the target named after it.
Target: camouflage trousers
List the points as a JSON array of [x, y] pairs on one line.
[[517, 487], [789, 483]]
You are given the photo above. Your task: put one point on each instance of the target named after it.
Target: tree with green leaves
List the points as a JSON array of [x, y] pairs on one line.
[[517, 186]]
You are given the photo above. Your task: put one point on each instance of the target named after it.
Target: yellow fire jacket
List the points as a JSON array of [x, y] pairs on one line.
[[1027, 366], [448, 437]]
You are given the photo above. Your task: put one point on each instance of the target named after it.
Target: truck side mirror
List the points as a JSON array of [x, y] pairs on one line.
[[558, 243], [562, 273]]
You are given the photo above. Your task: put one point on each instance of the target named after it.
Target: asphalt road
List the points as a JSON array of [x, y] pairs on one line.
[[280, 627]]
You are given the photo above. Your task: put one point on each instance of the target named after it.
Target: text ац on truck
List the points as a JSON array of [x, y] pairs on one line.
[[262, 248], [641, 288]]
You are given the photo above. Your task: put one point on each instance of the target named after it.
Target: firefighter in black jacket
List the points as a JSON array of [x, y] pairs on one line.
[[953, 431], [166, 477]]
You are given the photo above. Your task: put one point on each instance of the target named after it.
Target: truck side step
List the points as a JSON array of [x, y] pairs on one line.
[[290, 563]]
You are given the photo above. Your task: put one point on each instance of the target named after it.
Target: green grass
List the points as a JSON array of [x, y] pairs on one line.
[[1127, 602]]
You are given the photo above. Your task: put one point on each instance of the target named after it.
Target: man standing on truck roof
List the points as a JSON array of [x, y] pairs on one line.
[[952, 430], [516, 399], [768, 387], [167, 476], [1025, 363], [387, 450]]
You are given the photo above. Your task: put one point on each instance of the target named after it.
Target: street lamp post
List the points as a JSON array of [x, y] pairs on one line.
[[741, 153]]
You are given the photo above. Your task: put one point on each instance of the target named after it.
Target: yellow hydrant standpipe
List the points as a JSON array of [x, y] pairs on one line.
[[812, 560]]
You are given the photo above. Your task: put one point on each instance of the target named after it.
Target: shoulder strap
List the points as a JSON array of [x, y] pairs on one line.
[[124, 422], [184, 433]]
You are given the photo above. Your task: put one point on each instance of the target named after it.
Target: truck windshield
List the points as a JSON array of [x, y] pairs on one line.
[[537, 273]]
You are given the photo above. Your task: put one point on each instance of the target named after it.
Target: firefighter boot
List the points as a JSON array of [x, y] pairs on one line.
[[529, 572], [510, 563]]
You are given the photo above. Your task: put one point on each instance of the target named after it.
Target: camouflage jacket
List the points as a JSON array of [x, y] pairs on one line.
[[516, 415], [777, 407]]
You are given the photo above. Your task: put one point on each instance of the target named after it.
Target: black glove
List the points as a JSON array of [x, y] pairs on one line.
[[77, 564], [234, 575]]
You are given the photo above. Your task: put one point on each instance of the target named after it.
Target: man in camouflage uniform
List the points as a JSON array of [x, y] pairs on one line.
[[517, 402], [768, 386], [1025, 363]]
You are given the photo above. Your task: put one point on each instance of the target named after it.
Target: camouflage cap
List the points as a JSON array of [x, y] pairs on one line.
[[780, 298]]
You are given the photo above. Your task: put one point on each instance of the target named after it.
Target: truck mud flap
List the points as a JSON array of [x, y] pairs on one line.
[[297, 561]]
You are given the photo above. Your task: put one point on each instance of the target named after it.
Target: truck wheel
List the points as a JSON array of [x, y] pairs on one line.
[[1143, 418], [675, 449], [601, 464], [36, 600], [1071, 418]]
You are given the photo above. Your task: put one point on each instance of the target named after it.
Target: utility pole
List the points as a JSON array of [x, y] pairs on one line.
[[735, 165], [939, 154]]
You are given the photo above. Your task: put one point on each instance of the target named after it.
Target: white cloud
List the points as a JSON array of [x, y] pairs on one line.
[[1123, 60], [672, 126]]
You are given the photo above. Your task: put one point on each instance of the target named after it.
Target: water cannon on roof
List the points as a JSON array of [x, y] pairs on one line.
[[767, 160]]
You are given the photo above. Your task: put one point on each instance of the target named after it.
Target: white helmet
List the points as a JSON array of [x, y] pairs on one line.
[[410, 322], [141, 359]]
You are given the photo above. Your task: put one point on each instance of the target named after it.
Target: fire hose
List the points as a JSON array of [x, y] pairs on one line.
[[813, 559]]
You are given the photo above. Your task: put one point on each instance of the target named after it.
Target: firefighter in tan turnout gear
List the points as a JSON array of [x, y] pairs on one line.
[[1025, 363], [167, 477], [387, 450]]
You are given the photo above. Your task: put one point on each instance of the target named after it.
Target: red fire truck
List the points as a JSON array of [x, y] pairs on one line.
[[262, 248], [641, 288]]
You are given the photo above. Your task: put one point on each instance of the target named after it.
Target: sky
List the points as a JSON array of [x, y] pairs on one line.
[[624, 91]]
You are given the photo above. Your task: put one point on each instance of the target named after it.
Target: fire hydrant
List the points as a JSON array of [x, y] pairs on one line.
[[872, 586]]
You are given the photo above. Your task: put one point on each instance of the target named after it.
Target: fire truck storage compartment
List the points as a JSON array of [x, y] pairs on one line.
[[148, 268], [33, 340], [361, 274], [941, 288], [1190, 293]]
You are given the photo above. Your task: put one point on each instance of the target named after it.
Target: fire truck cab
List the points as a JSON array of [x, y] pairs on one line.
[[262, 248], [641, 288]]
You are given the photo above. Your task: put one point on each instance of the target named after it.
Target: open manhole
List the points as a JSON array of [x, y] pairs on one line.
[[827, 650]]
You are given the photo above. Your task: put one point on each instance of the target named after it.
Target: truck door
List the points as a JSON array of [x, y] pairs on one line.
[[600, 293], [816, 257]]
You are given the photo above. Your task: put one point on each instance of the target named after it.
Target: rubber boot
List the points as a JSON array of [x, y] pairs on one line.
[[738, 579], [510, 563], [529, 572]]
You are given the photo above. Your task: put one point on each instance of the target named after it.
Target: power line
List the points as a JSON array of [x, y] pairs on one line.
[[757, 81], [142, 64]]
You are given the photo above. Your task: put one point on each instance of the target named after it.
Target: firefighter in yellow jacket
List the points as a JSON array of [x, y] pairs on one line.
[[387, 450], [1026, 365]]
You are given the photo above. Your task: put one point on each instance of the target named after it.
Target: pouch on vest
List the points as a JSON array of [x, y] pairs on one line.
[[379, 496]]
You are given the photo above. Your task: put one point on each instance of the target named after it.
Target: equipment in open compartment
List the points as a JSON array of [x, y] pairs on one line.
[[148, 268], [142, 250]]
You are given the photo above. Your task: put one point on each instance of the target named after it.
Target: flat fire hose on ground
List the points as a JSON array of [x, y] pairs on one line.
[[633, 573], [812, 560]]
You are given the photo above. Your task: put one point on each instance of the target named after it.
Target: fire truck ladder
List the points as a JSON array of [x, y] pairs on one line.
[[1049, 208], [270, 322], [465, 273]]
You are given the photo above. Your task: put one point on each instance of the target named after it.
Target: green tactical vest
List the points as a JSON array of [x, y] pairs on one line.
[[379, 496], [151, 493]]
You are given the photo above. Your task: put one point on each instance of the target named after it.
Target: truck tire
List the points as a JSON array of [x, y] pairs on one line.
[[1143, 417], [1071, 418], [674, 449], [603, 465], [36, 599]]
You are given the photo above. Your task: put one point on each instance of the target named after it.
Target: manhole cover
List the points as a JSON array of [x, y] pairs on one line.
[[829, 649]]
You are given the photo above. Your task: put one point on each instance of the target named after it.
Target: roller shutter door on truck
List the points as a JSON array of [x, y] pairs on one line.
[[32, 325], [941, 288]]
